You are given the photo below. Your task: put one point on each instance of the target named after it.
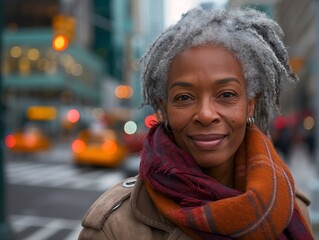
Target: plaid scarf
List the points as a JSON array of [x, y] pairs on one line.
[[261, 205]]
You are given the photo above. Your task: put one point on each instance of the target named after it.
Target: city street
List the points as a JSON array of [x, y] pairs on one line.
[[305, 172], [82, 83], [48, 195]]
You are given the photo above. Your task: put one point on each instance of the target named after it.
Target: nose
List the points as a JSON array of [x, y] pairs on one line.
[[206, 113]]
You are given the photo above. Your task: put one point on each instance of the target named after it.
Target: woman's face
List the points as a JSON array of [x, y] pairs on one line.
[[207, 106]]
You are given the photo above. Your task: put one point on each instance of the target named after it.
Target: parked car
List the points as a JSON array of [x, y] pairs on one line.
[[30, 140], [98, 148]]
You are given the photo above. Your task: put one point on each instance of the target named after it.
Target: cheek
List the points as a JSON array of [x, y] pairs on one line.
[[178, 119], [238, 115]]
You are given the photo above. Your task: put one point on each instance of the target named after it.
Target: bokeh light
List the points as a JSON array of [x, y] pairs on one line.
[[280, 122], [60, 43], [308, 123], [123, 91], [33, 54], [16, 52], [10, 141], [150, 120], [73, 115], [78, 146], [130, 127]]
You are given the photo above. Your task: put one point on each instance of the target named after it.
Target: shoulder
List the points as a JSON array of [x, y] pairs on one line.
[[104, 206], [303, 203]]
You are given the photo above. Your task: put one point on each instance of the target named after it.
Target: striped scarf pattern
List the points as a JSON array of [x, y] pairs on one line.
[[261, 205]]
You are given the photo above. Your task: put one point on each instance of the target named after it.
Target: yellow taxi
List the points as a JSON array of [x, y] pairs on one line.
[[29, 140], [99, 148]]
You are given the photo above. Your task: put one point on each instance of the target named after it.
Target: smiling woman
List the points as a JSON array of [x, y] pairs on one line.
[[208, 169], [206, 85]]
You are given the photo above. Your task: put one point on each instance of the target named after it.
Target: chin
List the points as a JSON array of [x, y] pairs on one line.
[[210, 161]]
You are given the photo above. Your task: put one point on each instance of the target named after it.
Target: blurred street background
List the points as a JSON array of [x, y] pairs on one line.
[[71, 117]]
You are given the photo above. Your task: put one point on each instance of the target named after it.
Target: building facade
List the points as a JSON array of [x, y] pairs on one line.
[[297, 19], [36, 74]]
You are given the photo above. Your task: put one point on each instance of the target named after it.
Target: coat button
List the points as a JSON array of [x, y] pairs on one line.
[[129, 183]]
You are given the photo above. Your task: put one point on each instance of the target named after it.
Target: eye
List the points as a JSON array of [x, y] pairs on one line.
[[227, 94], [182, 98]]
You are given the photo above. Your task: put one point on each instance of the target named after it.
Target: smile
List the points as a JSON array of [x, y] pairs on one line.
[[208, 142]]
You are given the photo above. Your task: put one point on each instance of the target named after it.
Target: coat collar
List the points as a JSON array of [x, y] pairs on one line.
[[145, 211]]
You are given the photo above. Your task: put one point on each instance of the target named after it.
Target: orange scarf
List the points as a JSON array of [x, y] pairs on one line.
[[262, 206]]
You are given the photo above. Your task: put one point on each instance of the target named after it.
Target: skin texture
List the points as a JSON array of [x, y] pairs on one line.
[[207, 107]]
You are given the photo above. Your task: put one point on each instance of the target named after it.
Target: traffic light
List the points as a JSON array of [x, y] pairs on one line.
[[64, 30], [60, 42]]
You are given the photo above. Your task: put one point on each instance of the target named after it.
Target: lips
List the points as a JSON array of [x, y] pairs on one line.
[[208, 141]]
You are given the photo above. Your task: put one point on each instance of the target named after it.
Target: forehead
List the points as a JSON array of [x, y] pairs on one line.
[[207, 51], [212, 60]]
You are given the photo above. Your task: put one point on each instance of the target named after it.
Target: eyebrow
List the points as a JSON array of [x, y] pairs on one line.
[[219, 82], [227, 80], [181, 84]]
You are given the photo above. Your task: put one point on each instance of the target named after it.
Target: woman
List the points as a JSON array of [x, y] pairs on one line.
[[208, 170]]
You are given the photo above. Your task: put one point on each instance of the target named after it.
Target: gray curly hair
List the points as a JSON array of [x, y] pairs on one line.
[[254, 38]]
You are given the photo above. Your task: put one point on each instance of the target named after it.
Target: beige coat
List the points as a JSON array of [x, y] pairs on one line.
[[127, 212]]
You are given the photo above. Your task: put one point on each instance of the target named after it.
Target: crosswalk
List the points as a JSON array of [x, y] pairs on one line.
[[44, 228], [61, 176]]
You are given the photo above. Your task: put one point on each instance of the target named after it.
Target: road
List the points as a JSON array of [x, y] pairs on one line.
[[47, 195]]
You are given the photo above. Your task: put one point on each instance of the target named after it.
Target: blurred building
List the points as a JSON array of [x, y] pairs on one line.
[[36, 73], [104, 40], [300, 20], [150, 19], [297, 19], [124, 29]]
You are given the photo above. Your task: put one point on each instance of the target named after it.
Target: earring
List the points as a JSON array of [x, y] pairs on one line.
[[250, 121]]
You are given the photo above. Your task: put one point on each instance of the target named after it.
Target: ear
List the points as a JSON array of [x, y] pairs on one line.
[[163, 109], [251, 106]]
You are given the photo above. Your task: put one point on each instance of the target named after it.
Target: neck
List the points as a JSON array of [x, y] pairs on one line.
[[224, 174]]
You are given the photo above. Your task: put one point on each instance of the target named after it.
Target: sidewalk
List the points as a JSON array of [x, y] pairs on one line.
[[304, 171]]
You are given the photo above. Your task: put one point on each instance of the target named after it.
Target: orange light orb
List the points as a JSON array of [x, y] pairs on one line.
[[123, 91], [60, 43], [78, 146]]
